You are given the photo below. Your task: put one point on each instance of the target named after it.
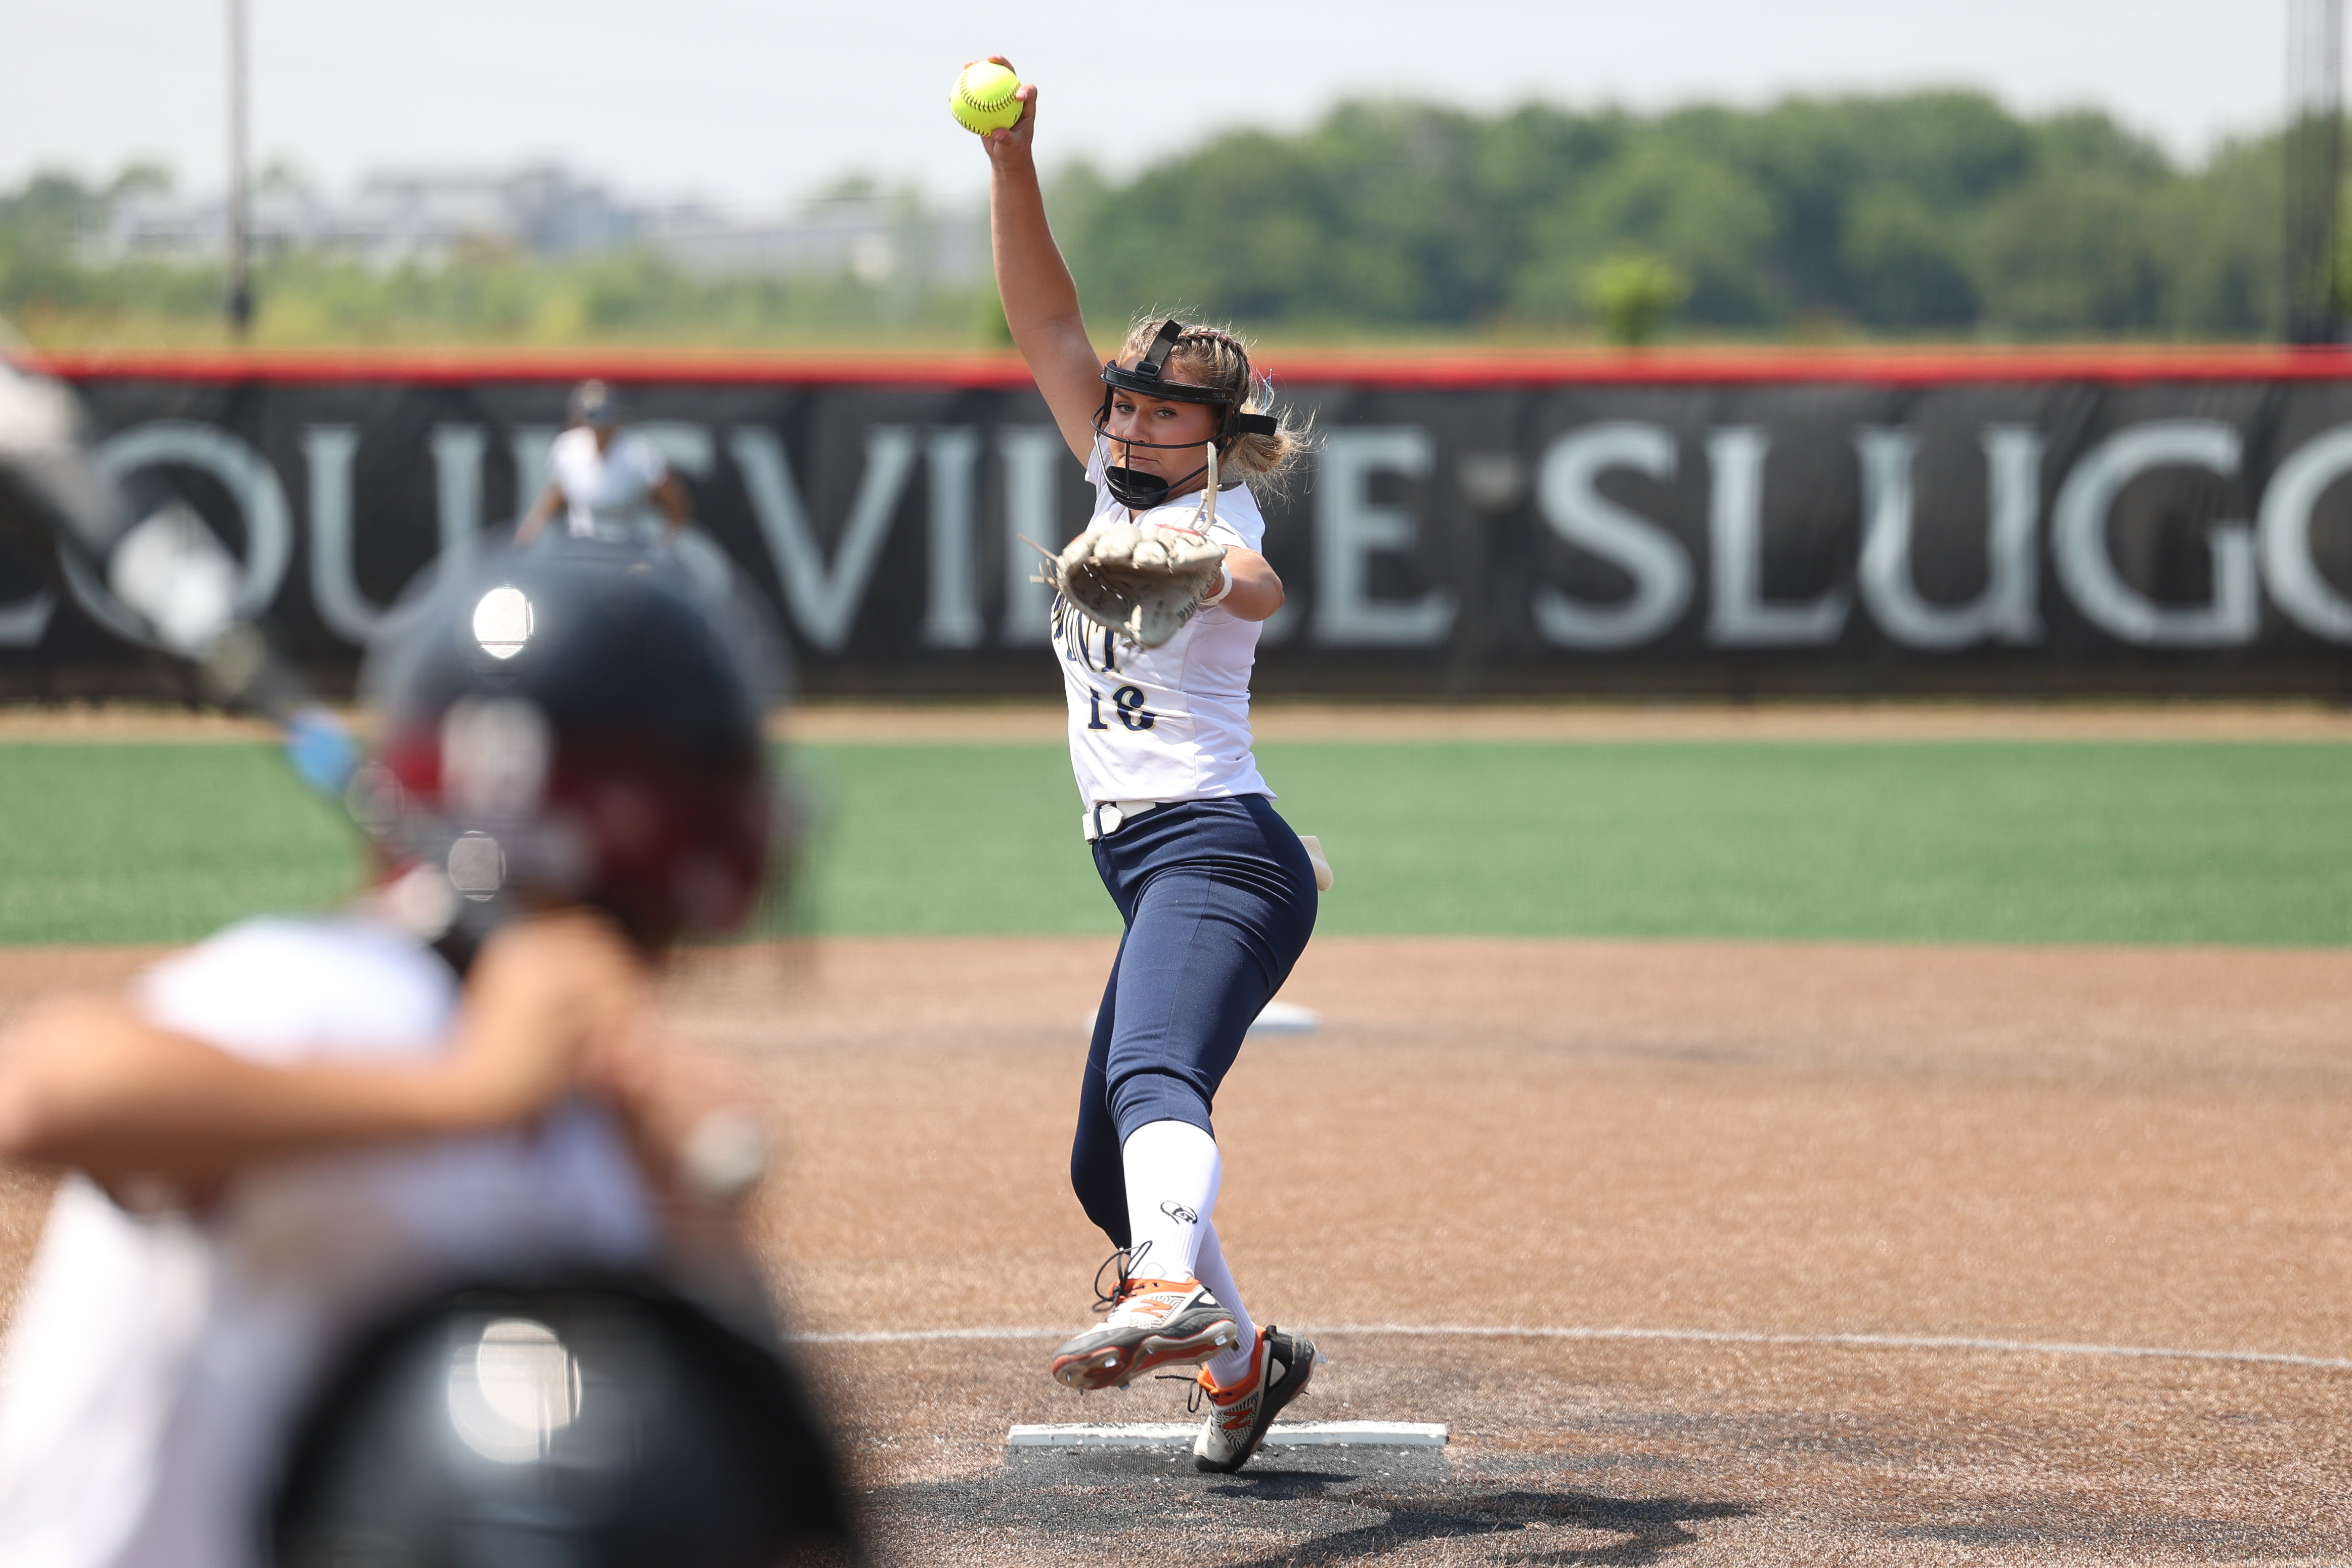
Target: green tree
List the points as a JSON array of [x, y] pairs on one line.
[[2222, 235], [1930, 212], [1634, 296]]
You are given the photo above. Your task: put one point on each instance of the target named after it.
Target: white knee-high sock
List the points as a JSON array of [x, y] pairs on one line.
[[1172, 1185], [1231, 1365]]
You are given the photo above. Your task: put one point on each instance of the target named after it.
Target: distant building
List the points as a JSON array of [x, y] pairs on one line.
[[875, 239], [427, 217]]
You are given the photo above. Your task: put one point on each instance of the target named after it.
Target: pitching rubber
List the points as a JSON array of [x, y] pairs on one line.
[[1181, 1434]]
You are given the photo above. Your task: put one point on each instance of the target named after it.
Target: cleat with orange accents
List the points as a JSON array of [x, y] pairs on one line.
[[1241, 1416], [1154, 1324]]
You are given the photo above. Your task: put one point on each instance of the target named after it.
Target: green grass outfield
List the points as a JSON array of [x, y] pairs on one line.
[[2035, 841]]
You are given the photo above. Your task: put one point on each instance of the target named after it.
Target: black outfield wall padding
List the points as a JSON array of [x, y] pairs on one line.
[[1727, 526]]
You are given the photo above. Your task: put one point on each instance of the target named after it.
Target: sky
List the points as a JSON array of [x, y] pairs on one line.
[[750, 103]]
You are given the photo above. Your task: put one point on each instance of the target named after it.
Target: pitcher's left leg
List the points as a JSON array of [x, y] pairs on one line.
[[1216, 916]]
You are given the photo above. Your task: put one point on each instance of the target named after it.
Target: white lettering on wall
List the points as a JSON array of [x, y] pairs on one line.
[[1349, 528], [2079, 539], [253, 486], [1030, 456], [2289, 572], [327, 452], [1739, 616], [457, 489], [951, 611], [1570, 499], [24, 622], [823, 599], [2005, 612]]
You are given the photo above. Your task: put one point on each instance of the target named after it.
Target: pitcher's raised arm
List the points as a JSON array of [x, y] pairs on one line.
[[1041, 299]]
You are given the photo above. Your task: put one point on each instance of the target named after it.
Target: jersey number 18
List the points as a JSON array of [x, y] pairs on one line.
[[1129, 700]]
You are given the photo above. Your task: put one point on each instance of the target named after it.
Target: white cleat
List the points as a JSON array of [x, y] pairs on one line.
[[1241, 1416], [1154, 1324]]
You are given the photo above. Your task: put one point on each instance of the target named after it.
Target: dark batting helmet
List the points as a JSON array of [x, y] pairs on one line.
[[596, 1423], [578, 724]]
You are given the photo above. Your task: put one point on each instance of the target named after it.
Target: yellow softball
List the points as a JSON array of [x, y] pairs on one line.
[[983, 101]]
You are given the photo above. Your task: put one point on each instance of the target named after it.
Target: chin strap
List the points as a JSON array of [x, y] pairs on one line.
[[1146, 492]]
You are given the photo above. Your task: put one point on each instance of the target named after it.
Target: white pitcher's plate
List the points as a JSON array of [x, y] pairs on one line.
[[1283, 1434]]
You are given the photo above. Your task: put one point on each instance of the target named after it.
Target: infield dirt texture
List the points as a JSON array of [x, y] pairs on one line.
[[1751, 1191]]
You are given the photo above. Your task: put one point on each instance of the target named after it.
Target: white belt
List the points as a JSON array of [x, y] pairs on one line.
[[1106, 818]]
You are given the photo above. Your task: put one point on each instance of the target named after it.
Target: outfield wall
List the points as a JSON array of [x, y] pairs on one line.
[[1722, 525]]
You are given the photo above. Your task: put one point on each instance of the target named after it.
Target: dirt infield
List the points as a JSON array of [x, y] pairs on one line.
[[1711, 1160]]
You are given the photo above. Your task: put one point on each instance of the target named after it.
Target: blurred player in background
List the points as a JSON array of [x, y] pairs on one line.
[[299, 1126], [1217, 892], [607, 480]]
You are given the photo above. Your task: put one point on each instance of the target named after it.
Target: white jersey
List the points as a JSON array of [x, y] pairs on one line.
[[155, 1363], [1165, 723], [607, 494]]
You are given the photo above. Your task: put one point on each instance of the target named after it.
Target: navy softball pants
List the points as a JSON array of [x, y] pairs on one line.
[[1219, 900]]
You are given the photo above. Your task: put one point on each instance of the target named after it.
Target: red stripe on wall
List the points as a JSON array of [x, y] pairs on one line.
[[1926, 367], [467, 369]]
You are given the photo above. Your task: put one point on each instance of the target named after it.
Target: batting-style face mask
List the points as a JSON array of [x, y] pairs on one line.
[[1133, 487]]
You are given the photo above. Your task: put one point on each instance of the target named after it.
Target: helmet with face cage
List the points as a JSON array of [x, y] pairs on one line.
[[1134, 487]]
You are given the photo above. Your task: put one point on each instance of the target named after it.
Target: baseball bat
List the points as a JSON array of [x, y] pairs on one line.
[[156, 554]]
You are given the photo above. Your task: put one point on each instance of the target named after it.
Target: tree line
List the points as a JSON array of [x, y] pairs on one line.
[[1921, 216]]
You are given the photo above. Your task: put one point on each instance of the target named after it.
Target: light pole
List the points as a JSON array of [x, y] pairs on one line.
[[240, 194], [2314, 170]]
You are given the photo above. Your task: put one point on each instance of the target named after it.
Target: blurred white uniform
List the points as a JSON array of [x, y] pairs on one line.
[[608, 494], [155, 1364], [1171, 722]]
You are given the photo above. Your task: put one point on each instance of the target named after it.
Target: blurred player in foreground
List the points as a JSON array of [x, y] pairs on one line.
[[607, 480], [447, 1106], [1218, 893]]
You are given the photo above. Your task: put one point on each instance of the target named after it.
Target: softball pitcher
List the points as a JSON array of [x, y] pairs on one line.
[[1156, 622]]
